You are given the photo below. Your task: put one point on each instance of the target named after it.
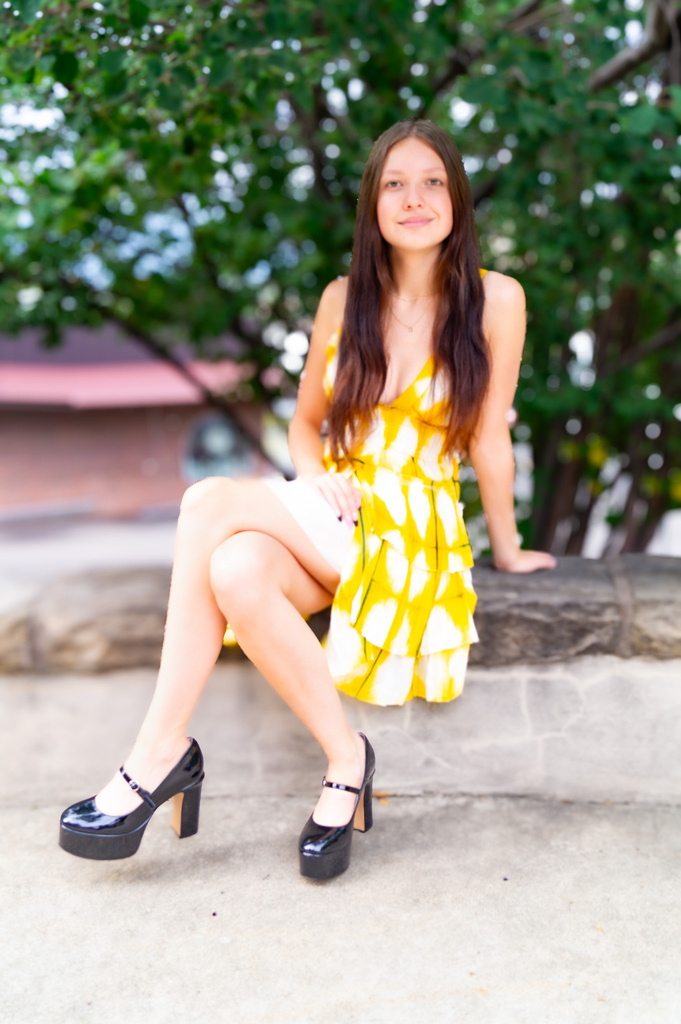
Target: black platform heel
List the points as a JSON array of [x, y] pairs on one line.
[[85, 831], [325, 850]]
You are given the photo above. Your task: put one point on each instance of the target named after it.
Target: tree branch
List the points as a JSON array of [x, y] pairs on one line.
[[675, 48], [666, 336], [485, 189], [208, 263], [165, 353], [529, 7], [210, 398], [459, 64], [519, 20], [310, 124], [655, 36], [528, 15]]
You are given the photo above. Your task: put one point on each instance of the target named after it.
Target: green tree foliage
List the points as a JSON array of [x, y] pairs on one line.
[[191, 171]]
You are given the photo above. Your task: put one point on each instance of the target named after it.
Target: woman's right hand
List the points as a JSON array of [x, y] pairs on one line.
[[339, 490]]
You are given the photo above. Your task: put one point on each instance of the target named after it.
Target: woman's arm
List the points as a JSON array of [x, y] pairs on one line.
[[304, 435], [491, 452]]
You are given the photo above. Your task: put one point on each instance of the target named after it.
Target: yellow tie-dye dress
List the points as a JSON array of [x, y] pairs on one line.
[[402, 617]]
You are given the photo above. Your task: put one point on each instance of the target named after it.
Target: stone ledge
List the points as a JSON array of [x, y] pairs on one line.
[[99, 621], [597, 728], [627, 606]]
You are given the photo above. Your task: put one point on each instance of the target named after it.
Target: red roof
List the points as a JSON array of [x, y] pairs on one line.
[[121, 385], [104, 369]]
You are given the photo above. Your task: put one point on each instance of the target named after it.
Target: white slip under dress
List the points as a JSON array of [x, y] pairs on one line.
[[332, 537]]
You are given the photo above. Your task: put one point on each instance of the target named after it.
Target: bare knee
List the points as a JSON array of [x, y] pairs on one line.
[[209, 511], [241, 574], [208, 493]]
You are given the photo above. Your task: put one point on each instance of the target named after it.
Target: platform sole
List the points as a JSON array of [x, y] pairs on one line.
[[101, 847], [324, 866]]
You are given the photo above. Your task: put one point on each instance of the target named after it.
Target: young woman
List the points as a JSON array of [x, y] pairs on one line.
[[414, 359]]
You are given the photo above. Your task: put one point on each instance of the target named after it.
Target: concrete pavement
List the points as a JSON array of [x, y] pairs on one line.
[[456, 908], [40, 550], [498, 886]]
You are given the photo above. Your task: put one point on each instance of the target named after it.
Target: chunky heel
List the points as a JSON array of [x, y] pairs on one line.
[[325, 851], [364, 815], [85, 831], [184, 815]]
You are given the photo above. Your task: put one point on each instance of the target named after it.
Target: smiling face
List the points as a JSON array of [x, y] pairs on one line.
[[414, 208]]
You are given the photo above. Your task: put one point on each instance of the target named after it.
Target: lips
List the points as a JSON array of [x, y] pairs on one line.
[[415, 222]]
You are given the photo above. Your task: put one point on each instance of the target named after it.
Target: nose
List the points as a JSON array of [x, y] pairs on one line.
[[412, 196]]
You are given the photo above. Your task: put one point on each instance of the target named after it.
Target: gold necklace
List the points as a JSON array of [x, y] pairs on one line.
[[411, 327]]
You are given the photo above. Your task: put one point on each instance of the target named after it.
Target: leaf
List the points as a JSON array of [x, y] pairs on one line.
[[139, 13], [538, 68], [485, 91], [667, 124], [559, 250], [21, 59], [184, 76], [640, 121], [28, 9], [114, 85], [61, 181], [533, 116], [177, 41], [112, 61], [65, 67], [171, 97], [221, 70], [675, 93], [154, 67]]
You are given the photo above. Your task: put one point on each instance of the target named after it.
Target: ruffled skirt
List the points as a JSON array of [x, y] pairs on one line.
[[402, 618]]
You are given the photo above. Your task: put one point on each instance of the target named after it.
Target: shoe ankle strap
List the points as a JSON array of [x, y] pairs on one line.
[[136, 788], [339, 785]]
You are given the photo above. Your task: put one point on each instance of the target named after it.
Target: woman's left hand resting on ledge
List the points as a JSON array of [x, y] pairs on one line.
[[491, 450], [525, 561]]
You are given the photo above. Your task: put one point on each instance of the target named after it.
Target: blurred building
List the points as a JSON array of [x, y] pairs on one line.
[[101, 427]]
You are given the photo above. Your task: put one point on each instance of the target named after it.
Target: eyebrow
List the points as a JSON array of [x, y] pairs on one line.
[[427, 170]]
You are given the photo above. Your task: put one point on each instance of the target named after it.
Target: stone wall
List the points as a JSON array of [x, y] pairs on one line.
[[574, 692], [99, 621]]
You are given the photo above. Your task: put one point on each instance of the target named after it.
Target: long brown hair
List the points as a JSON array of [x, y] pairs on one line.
[[460, 350]]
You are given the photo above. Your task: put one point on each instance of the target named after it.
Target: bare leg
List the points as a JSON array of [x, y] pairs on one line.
[[214, 511], [262, 590]]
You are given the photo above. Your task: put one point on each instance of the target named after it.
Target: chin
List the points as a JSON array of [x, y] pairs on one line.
[[417, 244]]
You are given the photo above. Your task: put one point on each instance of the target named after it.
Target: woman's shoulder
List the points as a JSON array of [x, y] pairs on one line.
[[504, 316], [502, 289], [332, 301], [329, 318]]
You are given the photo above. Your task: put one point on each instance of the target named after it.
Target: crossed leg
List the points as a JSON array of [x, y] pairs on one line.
[[240, 556]]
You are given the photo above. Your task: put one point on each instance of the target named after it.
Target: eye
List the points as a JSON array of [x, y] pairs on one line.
[[392, 184], [435, 181]]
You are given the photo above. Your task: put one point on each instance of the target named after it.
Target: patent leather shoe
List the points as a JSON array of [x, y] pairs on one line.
[[325, 850], [85, 831]]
